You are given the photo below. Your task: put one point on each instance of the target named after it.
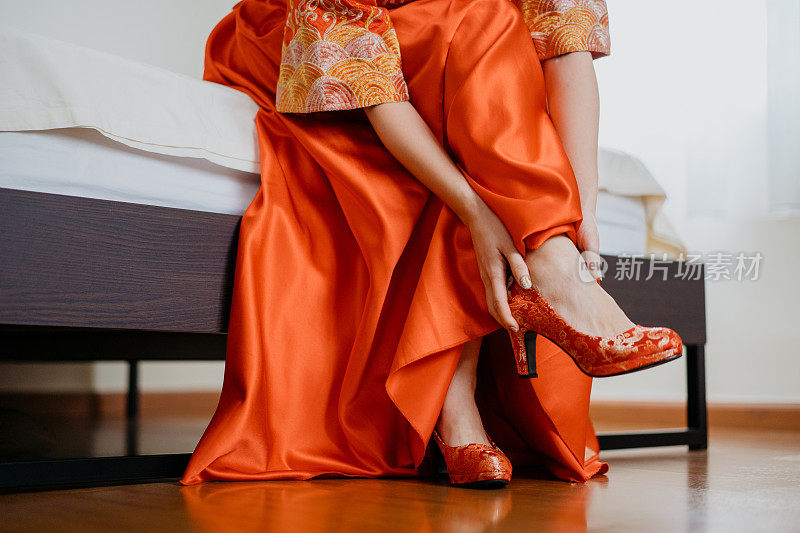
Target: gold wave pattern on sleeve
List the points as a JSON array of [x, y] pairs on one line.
[[562, 26], [338, 55]]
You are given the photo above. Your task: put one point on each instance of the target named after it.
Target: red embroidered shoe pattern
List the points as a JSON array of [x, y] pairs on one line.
[[471, 463], [634, 349]]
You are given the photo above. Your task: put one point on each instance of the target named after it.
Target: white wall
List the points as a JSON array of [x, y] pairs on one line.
[[171, 34], [684, 90]]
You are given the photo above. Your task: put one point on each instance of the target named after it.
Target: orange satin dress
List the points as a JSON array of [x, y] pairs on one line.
[[355, 286]]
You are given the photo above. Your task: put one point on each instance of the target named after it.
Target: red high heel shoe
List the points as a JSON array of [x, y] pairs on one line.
[[475, 465], [638, 348]]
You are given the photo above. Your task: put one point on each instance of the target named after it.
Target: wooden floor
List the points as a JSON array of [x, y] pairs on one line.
[[746, 481]]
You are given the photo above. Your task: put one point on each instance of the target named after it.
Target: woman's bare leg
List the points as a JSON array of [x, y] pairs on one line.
[[459, 422], [554, 270]]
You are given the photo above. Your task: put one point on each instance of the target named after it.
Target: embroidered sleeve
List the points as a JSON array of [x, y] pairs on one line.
[[338, 54], [562, 26]]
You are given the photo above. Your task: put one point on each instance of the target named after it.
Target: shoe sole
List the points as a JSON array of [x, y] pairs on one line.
[[483, 484], [676, 355]]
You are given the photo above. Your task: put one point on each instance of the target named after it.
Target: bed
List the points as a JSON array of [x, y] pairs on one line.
[[121, 190]]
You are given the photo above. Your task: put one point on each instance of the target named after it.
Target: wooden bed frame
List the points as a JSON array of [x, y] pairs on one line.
[[95, 280]]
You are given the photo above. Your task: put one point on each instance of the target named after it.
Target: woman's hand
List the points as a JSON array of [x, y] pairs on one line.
[[412, 142], [589, 245], [493, 248]]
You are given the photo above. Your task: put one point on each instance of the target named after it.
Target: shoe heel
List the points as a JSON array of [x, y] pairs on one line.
[[524, 344], [437, 460]]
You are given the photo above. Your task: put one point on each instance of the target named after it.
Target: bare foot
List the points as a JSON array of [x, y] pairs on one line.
[[584, 305], [459, 422]]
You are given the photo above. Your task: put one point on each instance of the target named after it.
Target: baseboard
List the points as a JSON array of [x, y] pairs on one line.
[[154, 404], [611, 415], [112, 405], [605, 414]]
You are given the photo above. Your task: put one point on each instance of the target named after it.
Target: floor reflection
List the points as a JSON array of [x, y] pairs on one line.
[[396, 505], [746, 481]]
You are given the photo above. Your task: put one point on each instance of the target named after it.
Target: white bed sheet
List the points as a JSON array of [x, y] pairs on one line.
[[46, 83], [82, 162]]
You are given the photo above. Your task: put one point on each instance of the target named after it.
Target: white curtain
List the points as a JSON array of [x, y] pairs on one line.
[[706, 94], [783, 105]]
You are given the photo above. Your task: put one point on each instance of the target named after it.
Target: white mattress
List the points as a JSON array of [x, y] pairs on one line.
[[622, 223], [83, 162]]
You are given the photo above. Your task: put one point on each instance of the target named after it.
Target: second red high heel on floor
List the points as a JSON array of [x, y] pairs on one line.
[[638, 348], [475, 465]]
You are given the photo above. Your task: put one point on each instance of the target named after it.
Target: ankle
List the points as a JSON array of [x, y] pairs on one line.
[[556, 261], [556, 253], [460, 422]]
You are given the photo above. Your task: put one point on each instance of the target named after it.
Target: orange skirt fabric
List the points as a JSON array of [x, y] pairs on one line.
[[356, 287]]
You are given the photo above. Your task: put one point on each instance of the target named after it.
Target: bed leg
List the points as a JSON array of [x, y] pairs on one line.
[[132, 408], [696, 414]]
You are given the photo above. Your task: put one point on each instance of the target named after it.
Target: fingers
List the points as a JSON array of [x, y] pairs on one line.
[[589, 244], [588, 237], [497, 297], [595, 265], [519, 268]]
